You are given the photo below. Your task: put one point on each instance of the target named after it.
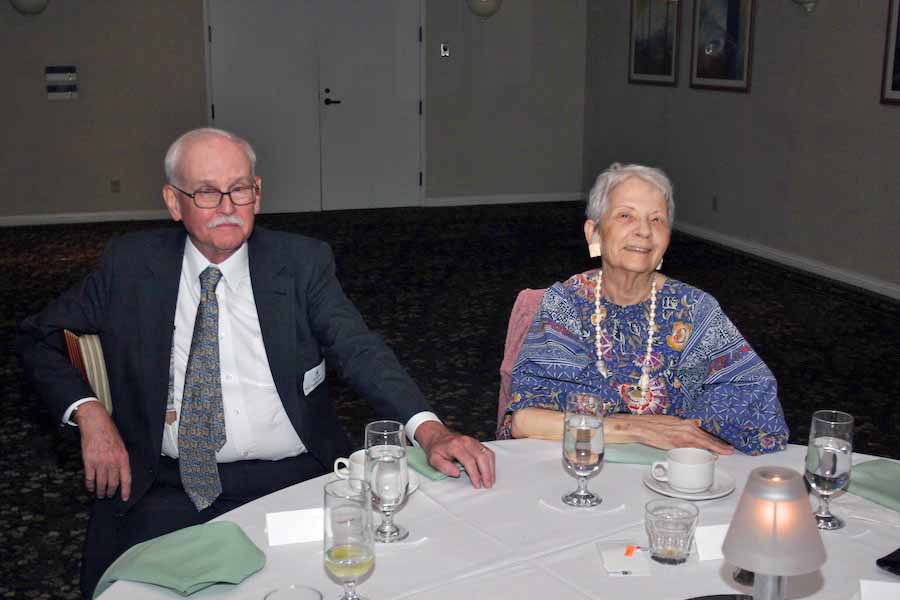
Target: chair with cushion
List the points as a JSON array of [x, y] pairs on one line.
[[86, 355], [526, 306]]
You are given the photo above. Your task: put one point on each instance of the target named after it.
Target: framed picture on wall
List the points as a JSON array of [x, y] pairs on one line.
[[653, 50], [890, 80], [722, 44]]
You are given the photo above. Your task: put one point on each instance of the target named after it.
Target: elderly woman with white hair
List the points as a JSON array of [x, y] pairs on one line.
[[670, 368]]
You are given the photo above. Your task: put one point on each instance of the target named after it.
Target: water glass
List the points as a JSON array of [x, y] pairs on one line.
[[582, 445], [670, 529], [349, 539], [828, 458], [387, 472]]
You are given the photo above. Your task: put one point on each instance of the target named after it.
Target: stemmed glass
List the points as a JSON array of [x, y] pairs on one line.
[[349, 543], [582, 445], [828, 460], [387, 473]]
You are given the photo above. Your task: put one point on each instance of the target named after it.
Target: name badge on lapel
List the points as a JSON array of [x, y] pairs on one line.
[[313, 378]]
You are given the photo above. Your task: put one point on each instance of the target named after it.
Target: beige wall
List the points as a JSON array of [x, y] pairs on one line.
[[806, 168], [503, 114], [142, 79], [503, 118]]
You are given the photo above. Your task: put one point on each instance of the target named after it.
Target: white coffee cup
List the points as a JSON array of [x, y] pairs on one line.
[[353, 467], [689, 470]]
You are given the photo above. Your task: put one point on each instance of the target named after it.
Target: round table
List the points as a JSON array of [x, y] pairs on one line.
[[518, 540]]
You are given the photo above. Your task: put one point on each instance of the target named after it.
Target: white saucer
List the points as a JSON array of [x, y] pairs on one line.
[[722, 486]]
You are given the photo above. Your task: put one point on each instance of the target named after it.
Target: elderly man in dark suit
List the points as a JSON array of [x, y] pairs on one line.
[[215, 338]]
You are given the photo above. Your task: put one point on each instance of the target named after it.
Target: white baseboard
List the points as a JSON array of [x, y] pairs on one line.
[[879, 286], [87, 217], [502, 199]]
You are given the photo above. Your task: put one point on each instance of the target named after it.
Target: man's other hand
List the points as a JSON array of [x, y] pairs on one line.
[[105, 458]]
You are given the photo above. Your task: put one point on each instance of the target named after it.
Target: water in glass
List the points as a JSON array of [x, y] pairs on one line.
[[388, 475], [583, 447]]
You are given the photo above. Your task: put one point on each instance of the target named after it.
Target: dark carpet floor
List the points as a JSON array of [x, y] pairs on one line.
[[438, 284]]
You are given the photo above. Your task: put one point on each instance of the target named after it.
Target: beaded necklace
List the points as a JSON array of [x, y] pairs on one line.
[[645, 395]]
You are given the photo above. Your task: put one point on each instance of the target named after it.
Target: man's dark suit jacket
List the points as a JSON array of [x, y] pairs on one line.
[[129, 300]]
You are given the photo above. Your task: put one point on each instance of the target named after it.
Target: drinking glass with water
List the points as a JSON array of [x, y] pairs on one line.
[[583, 445], [828, 460], [349, 539], [387, 472]]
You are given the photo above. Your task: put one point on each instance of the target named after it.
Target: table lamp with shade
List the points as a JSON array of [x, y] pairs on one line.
[[773, 532]]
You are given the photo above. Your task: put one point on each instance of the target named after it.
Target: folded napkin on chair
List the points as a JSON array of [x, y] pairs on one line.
[[633, 454], [188, 560], [877, 480]]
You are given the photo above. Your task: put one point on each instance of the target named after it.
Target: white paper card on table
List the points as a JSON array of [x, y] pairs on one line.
[[295, 526], [869, 589], [709, 540], [619, 562]]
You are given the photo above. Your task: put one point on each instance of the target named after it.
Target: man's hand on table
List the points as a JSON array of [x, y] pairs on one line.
[[442, 447], [103, 452]]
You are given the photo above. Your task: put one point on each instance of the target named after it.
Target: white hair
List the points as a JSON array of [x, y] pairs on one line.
[[170, 163], [617, 174]]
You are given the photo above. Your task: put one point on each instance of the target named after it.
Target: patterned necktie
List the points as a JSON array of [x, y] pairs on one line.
[[201, 428]]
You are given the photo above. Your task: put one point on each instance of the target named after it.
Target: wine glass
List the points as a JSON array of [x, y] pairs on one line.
[[349, 543], [582, 445], [828, 460], [387, 473]]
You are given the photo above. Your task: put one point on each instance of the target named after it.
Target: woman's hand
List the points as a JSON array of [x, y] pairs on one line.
[[661, 431]]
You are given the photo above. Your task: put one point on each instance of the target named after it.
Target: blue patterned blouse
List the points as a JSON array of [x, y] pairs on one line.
[[701, 368]]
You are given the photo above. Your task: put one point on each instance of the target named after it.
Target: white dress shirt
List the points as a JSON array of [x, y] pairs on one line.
[[256, 424]]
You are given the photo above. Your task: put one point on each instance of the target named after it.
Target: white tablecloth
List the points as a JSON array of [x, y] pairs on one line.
[[518, 540]]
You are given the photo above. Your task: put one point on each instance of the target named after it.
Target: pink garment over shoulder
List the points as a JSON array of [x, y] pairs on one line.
[[527, 303]]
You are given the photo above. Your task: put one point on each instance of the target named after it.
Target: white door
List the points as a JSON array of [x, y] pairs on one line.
[[270, 63], [369, 63], [263, 71]]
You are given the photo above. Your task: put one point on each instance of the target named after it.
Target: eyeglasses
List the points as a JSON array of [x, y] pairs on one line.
[[206, 198]]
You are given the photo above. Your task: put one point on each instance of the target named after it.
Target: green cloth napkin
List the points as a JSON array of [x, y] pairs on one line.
[[188, 560], [877, 480], [416, 458], [633, 454]]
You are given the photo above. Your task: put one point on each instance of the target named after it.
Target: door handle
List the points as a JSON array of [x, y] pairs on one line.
[[329, 101]]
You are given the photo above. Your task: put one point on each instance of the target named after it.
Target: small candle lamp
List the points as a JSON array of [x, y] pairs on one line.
[[773, 532]]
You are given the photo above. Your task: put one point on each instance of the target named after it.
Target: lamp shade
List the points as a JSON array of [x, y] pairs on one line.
[[773, 531]]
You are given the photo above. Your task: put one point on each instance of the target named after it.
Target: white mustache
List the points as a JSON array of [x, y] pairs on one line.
[[225, 220]]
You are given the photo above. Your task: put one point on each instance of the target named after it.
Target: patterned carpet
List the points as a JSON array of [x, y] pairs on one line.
[[438, 284]]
